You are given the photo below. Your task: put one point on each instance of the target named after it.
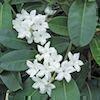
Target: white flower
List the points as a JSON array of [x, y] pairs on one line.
[[49, 55], [65, 71], [38, 69], [51, 66], [44, 73], [23, 15], [49, 11], [43, 85], [45, 51], [33, 68], [46, 48], [31, 26], [74, 60], [41, 36], [40, 23]]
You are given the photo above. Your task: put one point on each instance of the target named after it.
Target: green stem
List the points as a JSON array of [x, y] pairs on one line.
[[7, 94], [13, 11], [29, 98]]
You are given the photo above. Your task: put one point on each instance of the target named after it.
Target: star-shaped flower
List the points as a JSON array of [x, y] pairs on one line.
[[74, 60], [65, 71], [43, 85], [33, 67]]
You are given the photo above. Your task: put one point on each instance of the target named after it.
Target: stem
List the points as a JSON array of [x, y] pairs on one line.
[[13, 11], [29, 98], [69, 48], [89, 91], [7, 94]]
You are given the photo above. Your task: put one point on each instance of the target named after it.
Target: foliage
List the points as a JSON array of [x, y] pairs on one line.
[[74, 27]]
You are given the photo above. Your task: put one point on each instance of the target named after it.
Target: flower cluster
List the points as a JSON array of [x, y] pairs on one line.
[[31, 26], [48, 65]]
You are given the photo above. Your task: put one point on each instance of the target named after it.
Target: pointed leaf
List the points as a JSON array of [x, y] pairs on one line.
[[65, 91], [60, 43], [16, 60], [59, 25], [27, 89], [10, 80], [5, 16], [22, 1], [9, 39], [82, 22], [95, 49]]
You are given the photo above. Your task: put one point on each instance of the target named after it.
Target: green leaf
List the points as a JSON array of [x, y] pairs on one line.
[[81, 77], [51, 1], [5, 16], [10, 80], [95, 90], [16, 97], [40, 7], [65, 8], [82, 22], [27, 89], [59, 25], [16, 60], [23, 1], [95, 49], [29, 92], [9, 39], [86, 92], [91, 0], [10, 97], [60, 43], [90, 91], [65, 91], [38, 96], [19, 98]]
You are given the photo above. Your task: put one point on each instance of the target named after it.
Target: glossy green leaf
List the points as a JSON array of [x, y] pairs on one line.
[[19, 98], [60, 43], [16, 60], [10, 80], [86, 92], [82, 75], [82, 22], [22, 1], [59, 25], [38, 96], [90, 92], [29, 92], [10, 97], [91, 0], [16, 97], [27, 88], [95, 90], [5, 16], [65, 91], [95, 49], [9, 39]]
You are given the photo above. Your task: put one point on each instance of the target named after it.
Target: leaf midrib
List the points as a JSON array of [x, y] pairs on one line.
[[14, 61], [1, 15], [64, 87], [13, 39], [82, 24]]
